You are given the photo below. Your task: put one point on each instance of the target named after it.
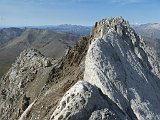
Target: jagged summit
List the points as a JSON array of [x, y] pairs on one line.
[[115, 24]]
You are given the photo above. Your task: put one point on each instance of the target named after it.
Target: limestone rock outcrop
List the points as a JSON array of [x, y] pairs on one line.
[[80, 101]]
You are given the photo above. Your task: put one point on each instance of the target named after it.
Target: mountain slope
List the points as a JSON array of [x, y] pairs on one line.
[[66, 28], [150, 30], [151, 34], [51, 44], [8, 34]]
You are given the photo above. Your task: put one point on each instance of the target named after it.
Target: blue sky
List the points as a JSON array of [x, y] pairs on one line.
[[82, 12]]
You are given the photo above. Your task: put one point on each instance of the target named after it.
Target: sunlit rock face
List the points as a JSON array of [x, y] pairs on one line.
[[121, 67], [83, 101], [118, 63]]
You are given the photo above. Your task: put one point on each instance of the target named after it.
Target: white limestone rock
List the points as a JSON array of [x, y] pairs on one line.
[[80, 101], [118, 64], [103, 114]]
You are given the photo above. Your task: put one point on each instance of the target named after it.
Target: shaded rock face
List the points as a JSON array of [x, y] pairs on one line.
[[111, 75]]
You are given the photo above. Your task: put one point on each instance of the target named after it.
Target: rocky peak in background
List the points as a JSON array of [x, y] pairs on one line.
[[25, 69], [112, 74]]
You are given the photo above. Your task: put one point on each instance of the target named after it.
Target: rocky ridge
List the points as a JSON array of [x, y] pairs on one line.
[[34, 81], [119, 64], [110, 75]]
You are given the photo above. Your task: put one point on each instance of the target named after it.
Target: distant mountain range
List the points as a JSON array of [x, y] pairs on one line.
[[150, 30], [65, 28], [74, 29], [151, 34]]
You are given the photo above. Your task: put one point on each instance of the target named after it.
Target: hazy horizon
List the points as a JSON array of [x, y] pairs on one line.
[[76, 12], [36, 26]]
